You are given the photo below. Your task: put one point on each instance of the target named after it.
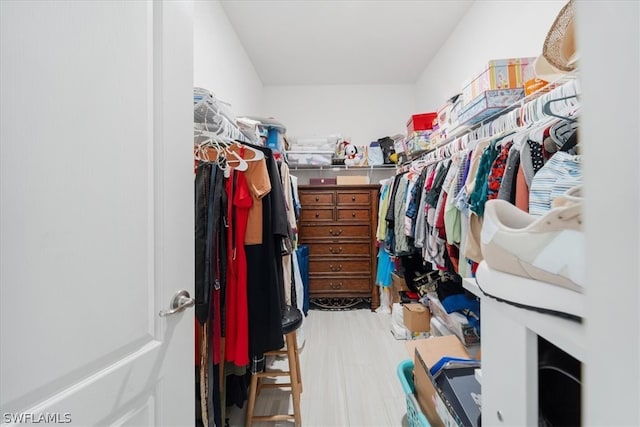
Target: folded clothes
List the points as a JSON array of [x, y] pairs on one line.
[[464, 304]]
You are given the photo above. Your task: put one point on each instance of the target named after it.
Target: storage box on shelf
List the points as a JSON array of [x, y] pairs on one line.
[[534, 85], [422, 121], [352, 179], [315, 158], [400, 146], [322, 181], [448, 114], [488, 104], [418, 142], [497, 74]]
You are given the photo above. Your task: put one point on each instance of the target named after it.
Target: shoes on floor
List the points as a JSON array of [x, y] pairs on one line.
[[536, 262]]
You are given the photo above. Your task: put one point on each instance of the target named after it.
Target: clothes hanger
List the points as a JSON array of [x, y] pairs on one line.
[[257, 154], [222, 148], [242, 163], [549, 111]]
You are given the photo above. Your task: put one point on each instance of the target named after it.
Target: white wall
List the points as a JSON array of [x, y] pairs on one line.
[[364, 112], [221, 64], [491, 29], [612, 371]]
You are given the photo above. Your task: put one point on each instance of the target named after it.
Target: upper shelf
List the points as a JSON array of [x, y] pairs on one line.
[[463, 129], [340, 167]]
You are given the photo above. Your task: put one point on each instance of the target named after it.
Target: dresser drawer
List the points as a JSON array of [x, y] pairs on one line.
[[339, 284], [335, 231], [353, 198], [344, 249], [313, 198], [316, 214], [353, 215], [339, 265]]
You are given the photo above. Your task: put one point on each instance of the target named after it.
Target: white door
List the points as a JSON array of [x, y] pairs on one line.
[[96, 212]]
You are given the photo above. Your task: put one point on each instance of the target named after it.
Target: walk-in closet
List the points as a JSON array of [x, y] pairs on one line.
[[320, 213]]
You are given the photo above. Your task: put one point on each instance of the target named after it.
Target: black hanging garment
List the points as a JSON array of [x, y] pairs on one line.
[[264, 278]]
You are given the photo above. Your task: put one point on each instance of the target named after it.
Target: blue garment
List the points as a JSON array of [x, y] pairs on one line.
[[412, 209], [385, 267], [416, 198], [478, 197], [461, 200], [466, 305], [302, 253], [561, 172]]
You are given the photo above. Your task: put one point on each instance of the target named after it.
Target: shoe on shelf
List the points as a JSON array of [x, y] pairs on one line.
[[537, 262]]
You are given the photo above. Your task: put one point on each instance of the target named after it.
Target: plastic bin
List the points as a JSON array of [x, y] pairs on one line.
[[414, 414]]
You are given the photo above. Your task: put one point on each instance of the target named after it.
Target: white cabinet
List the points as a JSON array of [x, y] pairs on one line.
[[510, 357]]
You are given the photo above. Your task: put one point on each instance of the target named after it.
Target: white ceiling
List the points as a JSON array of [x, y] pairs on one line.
[[315, 42]]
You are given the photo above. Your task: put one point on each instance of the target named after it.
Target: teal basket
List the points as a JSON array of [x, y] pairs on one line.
[[414, 414]]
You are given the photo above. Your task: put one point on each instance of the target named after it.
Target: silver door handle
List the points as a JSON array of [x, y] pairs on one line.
[[179, 302]]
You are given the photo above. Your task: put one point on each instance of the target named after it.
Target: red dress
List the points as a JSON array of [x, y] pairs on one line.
[[237, 313]]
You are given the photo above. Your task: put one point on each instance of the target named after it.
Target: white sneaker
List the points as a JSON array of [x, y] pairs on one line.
[[571, 197], [543, 257]]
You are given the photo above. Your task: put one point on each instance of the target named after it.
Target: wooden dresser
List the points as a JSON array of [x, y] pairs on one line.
[[338, 223]]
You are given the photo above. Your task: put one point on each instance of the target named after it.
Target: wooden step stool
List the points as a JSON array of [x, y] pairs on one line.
[[295, 379]]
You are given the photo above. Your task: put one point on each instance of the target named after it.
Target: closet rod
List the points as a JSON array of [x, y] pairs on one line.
[[462, 131]]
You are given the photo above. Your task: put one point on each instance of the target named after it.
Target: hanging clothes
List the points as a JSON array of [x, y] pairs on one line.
[[237, 316], [265, 277], [285, 180], [238, 309]]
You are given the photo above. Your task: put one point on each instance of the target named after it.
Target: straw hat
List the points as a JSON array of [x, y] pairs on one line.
[[559, 54]]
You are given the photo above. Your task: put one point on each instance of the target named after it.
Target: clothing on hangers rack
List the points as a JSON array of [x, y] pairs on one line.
[[501, 156], [240, 221]]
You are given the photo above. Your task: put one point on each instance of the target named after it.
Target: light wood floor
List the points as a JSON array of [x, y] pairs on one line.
[[349, 378]]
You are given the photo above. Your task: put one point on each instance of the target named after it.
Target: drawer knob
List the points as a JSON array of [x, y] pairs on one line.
[[317, 215], [353, 214], [335, 268], [353, 198], [335, 285], [337, 233], [317, 198], [335, 251]]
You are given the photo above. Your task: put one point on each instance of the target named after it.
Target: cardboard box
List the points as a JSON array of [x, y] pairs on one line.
[[322, 181], [397, 284], [416, 317], [427, 353], [352, 180]]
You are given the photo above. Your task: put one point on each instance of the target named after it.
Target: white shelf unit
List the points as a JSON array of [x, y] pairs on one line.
[[375, 173], [509, 346]]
